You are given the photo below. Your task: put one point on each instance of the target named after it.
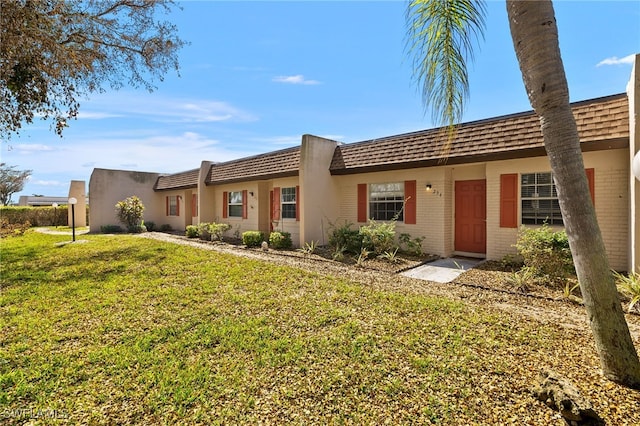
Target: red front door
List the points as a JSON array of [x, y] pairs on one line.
[[471, 216]]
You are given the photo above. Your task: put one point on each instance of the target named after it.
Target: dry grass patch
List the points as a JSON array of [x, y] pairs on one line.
[[128, 330]]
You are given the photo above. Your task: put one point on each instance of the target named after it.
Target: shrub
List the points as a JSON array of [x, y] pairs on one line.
[[130, 212], [12, 229], [212, 231], [629, 286], [252, 238], [280, 240], [411, 245], [546, 252], [151, 226], [347, 239], [378, 237], [36, 216], [192, 231], [165, 227], [217, 230], [111, 229], [309, 248]]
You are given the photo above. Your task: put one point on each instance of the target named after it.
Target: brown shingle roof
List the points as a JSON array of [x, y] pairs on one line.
[[182, 180], [271, 165], [603, 120]]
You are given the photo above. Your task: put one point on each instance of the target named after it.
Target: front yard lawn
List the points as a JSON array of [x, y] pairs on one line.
[[127, 330]]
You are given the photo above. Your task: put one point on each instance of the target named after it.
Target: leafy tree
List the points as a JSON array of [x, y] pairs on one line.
[[55, 51], [441, 37], [130, 213], [11, 181]]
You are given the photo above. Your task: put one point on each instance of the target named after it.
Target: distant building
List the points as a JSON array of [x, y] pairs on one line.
[[41, 201]]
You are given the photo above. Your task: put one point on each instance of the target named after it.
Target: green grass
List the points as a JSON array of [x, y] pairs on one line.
[[125, 330]]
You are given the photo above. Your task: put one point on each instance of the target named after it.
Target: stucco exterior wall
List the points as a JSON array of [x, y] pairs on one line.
[[179, 222], [633, 92], [107, 187], [238, 224], [208, 211], [287, 225], [611, 201], [317, 195], [432, 217], [77, 190]]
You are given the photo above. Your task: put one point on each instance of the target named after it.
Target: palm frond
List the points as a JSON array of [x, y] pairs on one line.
[[440, 38]]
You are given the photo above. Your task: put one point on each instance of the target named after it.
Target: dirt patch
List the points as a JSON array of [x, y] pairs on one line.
[[487, 285]]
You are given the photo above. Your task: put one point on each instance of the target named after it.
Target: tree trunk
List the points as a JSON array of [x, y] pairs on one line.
[[535, 39]]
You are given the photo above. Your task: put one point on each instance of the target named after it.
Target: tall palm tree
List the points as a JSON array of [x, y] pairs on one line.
[[441, 36]]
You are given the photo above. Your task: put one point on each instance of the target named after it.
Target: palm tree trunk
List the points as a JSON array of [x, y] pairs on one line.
[[535, 39]]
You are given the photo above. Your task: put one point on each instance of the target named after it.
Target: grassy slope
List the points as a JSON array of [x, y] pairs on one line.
[[129, 330]]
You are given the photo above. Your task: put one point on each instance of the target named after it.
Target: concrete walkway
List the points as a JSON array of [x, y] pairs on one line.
[[442, 270]]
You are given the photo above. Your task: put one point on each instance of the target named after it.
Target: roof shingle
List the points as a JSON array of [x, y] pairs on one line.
[[598, 120], [271, 165], [182, 180]]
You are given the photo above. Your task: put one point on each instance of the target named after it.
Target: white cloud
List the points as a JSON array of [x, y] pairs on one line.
[[160, 108], [48, 183], [29, 148], [294, 79], [89, 115], [614, 60]]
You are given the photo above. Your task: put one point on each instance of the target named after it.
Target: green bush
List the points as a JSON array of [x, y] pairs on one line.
[[344, 239], [151, 226], [546, 252], [12, 229], [165, 227], [212, 231], [130, 211], [217, 230], [378, 237], [111, 229], [280, 240], [36, 216], [411, 245], [252, 238], [192, 231]]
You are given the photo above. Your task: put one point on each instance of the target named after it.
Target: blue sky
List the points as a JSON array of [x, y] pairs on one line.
[[258, 75]]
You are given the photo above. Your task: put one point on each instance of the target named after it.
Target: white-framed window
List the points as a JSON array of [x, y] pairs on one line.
[[386, 201], [235, 204], [172, 205], [539, 199], [288, 201]]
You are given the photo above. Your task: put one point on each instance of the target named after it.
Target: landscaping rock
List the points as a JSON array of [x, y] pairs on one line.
[[561, 395]]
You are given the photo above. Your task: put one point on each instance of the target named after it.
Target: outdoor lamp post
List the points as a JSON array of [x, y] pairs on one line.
[[635, 166], [73, 202], [55, 214]]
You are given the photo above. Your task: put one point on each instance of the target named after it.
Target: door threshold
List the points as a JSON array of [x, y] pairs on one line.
[[470, 254]]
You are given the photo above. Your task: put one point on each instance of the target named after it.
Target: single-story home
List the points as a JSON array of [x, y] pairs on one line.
[[468, 201]]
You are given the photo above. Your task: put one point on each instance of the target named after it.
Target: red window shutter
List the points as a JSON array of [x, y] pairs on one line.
[[509, 200], [177, 205], [166, 199], [362, 202], [297, 203], [276, 203], [225, 204], [245, 212], [591, 178], [194, 205], [410, 202], [271, 207]]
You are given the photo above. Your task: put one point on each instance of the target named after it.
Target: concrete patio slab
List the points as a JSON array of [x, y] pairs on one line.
[[442, 270]]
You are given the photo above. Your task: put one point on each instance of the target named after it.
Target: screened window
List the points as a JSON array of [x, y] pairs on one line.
[[173, 205], [386, 200], [288, 203], [539, 199], [235, 204]]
